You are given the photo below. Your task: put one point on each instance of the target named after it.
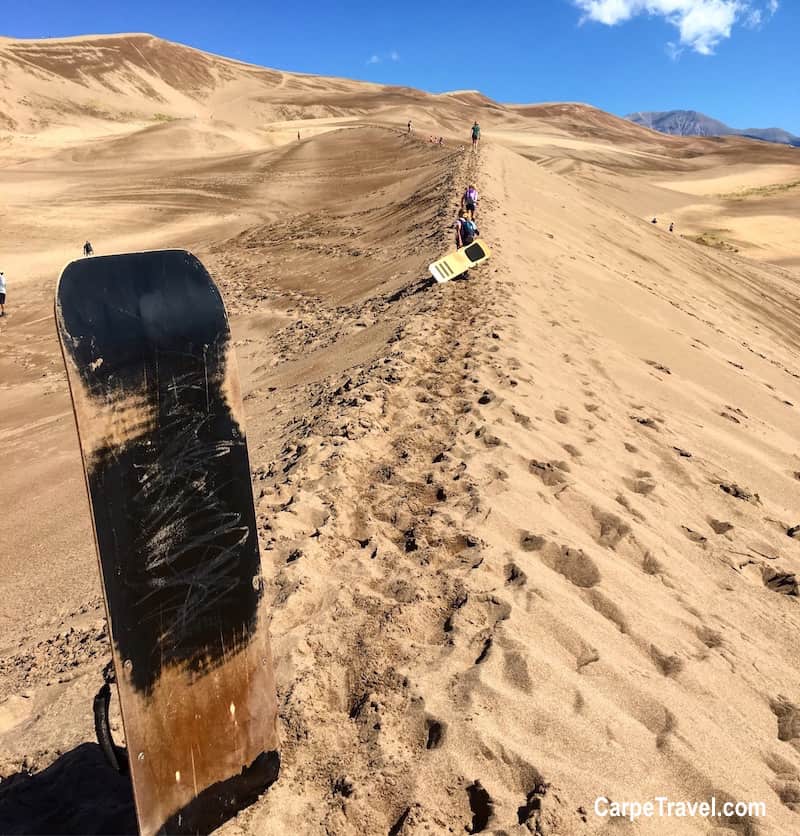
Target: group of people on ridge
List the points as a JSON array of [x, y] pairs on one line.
[[671, 225], [466, 230], [476, 134]]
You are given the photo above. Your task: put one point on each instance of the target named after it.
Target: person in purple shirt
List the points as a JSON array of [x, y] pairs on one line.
[[469, 201]]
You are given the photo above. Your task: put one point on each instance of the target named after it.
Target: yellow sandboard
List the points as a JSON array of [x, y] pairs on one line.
[[454, 264]]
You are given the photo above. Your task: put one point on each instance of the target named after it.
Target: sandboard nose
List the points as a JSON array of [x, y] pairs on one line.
[[112, 306]]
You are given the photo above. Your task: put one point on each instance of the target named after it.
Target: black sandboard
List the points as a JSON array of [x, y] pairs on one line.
[[157, 403]]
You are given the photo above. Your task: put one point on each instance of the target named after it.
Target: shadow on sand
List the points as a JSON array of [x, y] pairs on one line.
[[79, 793]]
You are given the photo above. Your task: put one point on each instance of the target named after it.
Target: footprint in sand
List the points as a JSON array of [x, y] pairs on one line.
[[666, 731], [482, 807], [530, 542], [658, 366], [515, 670], [783, 582], [397, 828], [719, 526], [457, 603], [788, 716], [588, 656], [489, 439], [651, 566], [550, 472], [611, 529], [514, 575], [496, 609], [710, 638], [576, 566], [623, 501], [668, 664], [694, 536], [343, 786], [608, 609], [642, 483], [732, 489], [786, 784], [530, 813], [644, 421], [520, 418], [294, 555], [434, 732]]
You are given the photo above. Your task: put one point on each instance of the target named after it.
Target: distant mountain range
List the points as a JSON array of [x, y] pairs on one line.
[[692, 123]]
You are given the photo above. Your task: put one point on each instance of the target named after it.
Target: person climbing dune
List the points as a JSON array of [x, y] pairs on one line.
[[466, 231], [2, 294], [476, 133], [469, 200]]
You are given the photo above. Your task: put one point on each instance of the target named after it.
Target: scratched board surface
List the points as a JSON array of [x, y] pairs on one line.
[[157, 403]]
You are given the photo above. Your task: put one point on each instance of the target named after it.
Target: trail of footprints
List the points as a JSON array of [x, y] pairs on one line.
[[406, 519], [610, 531]]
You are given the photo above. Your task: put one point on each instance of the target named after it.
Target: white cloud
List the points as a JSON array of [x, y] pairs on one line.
[[757, 17], [754, 18], [702, 23], [673, 50], [375, 58]]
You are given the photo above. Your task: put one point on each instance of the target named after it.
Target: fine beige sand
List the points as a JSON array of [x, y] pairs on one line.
[[528, 539]]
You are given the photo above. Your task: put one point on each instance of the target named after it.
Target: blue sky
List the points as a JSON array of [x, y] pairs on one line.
[[731, 59]]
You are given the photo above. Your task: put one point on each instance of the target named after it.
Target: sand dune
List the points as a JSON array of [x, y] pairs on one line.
[[528, 538]]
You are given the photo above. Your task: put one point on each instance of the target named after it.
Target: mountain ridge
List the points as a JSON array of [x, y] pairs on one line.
[[695, 123]]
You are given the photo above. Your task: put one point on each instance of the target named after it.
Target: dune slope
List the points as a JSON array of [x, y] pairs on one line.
[[548, 559]]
